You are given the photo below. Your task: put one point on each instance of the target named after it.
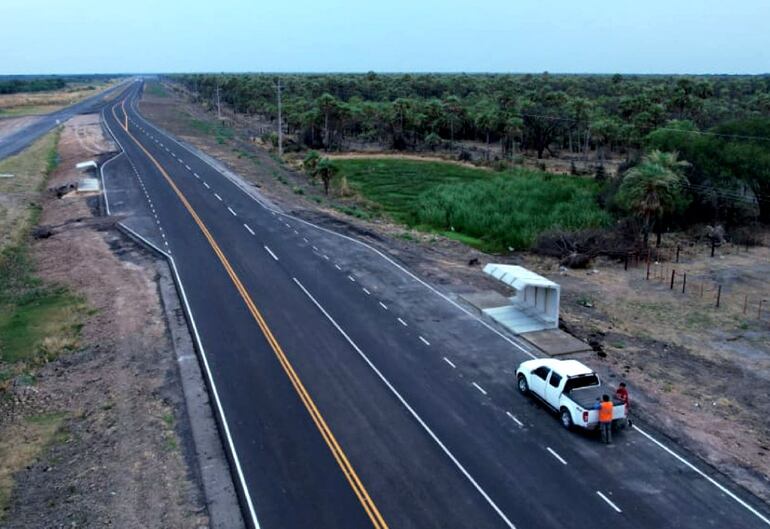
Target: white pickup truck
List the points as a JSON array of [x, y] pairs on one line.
[[569, 388]]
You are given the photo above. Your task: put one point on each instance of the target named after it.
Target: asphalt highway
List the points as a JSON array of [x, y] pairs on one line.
[[25, 136], [342, 406]]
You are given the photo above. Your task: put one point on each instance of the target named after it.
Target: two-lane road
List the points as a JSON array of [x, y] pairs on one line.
[[341, 406], [25, 136]]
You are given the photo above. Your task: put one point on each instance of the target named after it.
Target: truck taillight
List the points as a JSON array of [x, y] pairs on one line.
[[585, 416]]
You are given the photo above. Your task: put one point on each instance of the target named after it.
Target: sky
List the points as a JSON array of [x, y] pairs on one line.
[[558, 36]]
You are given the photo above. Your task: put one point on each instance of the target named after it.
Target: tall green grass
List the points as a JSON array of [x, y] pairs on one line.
[[511, 210], [492, 211]]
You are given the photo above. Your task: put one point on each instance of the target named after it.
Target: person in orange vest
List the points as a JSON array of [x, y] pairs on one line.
[[605, 419]]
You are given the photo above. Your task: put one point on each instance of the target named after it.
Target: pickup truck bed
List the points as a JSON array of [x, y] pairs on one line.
[[586, 397]]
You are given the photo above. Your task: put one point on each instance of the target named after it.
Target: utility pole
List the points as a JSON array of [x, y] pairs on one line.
[[219, 106], [280, 123]]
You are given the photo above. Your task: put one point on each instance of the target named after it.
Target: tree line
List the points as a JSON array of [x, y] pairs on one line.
[[14, 86], [696, 148], [544, 114]]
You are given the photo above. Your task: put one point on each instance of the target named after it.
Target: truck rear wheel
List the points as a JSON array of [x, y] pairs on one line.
[[566, 419], [522, 384]]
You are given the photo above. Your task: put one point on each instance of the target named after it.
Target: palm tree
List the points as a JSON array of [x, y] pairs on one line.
[[653, 188], [326, 170], [327, 104]]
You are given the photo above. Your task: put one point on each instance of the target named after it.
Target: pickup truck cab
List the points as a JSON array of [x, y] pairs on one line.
[[569, 388]]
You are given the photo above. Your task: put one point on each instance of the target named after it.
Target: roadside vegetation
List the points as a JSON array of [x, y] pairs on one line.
[[25, 96], [668, 153], [38, 320], [492, 211]]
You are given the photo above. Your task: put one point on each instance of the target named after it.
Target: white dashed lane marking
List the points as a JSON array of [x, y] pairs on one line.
[[271, 253], [402, 322], [513, 417], [448, 361], [423, 340], [231, 211], [248, 228], [383, 305], [605, 498], [482, 390], [218, 197], [557, 456]]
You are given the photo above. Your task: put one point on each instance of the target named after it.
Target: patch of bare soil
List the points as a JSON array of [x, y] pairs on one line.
[[120, 459], [698, 374]]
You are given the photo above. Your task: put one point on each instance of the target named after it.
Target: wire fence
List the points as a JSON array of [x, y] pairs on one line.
[[666, 267]]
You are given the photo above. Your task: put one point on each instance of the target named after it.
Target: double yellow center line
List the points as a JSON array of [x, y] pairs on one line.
[[315, 414]]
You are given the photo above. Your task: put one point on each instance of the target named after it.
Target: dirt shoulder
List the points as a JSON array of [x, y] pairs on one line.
[[108, 414], [698, 374]]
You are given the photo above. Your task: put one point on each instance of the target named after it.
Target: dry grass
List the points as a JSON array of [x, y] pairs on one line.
[[29, 169], [20, 446], [33, 103]]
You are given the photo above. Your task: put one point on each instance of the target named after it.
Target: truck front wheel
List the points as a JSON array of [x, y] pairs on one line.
[[566, 419], [522, 384]]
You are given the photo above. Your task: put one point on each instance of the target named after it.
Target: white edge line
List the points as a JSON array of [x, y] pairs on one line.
[[408, 407], [248, 228], [270, 252], [711, 480], [482, 390], [435, 291], [212, 384], [605, 498], [512, 416], [557, 456]]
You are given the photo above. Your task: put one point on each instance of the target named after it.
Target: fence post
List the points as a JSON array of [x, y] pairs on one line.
[[625, 263], [713, 246], [677, 253], [719, 294], [673, 275], [648, 270], [684, 282]]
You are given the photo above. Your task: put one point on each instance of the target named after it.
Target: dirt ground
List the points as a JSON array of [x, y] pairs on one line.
[[117, 458], [707, 369]]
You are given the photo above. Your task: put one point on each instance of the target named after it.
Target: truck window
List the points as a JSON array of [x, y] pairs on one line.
[[555, 380], [582, 381], [541, 372]]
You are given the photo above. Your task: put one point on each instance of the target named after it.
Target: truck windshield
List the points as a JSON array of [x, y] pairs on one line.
[[581, 381]]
